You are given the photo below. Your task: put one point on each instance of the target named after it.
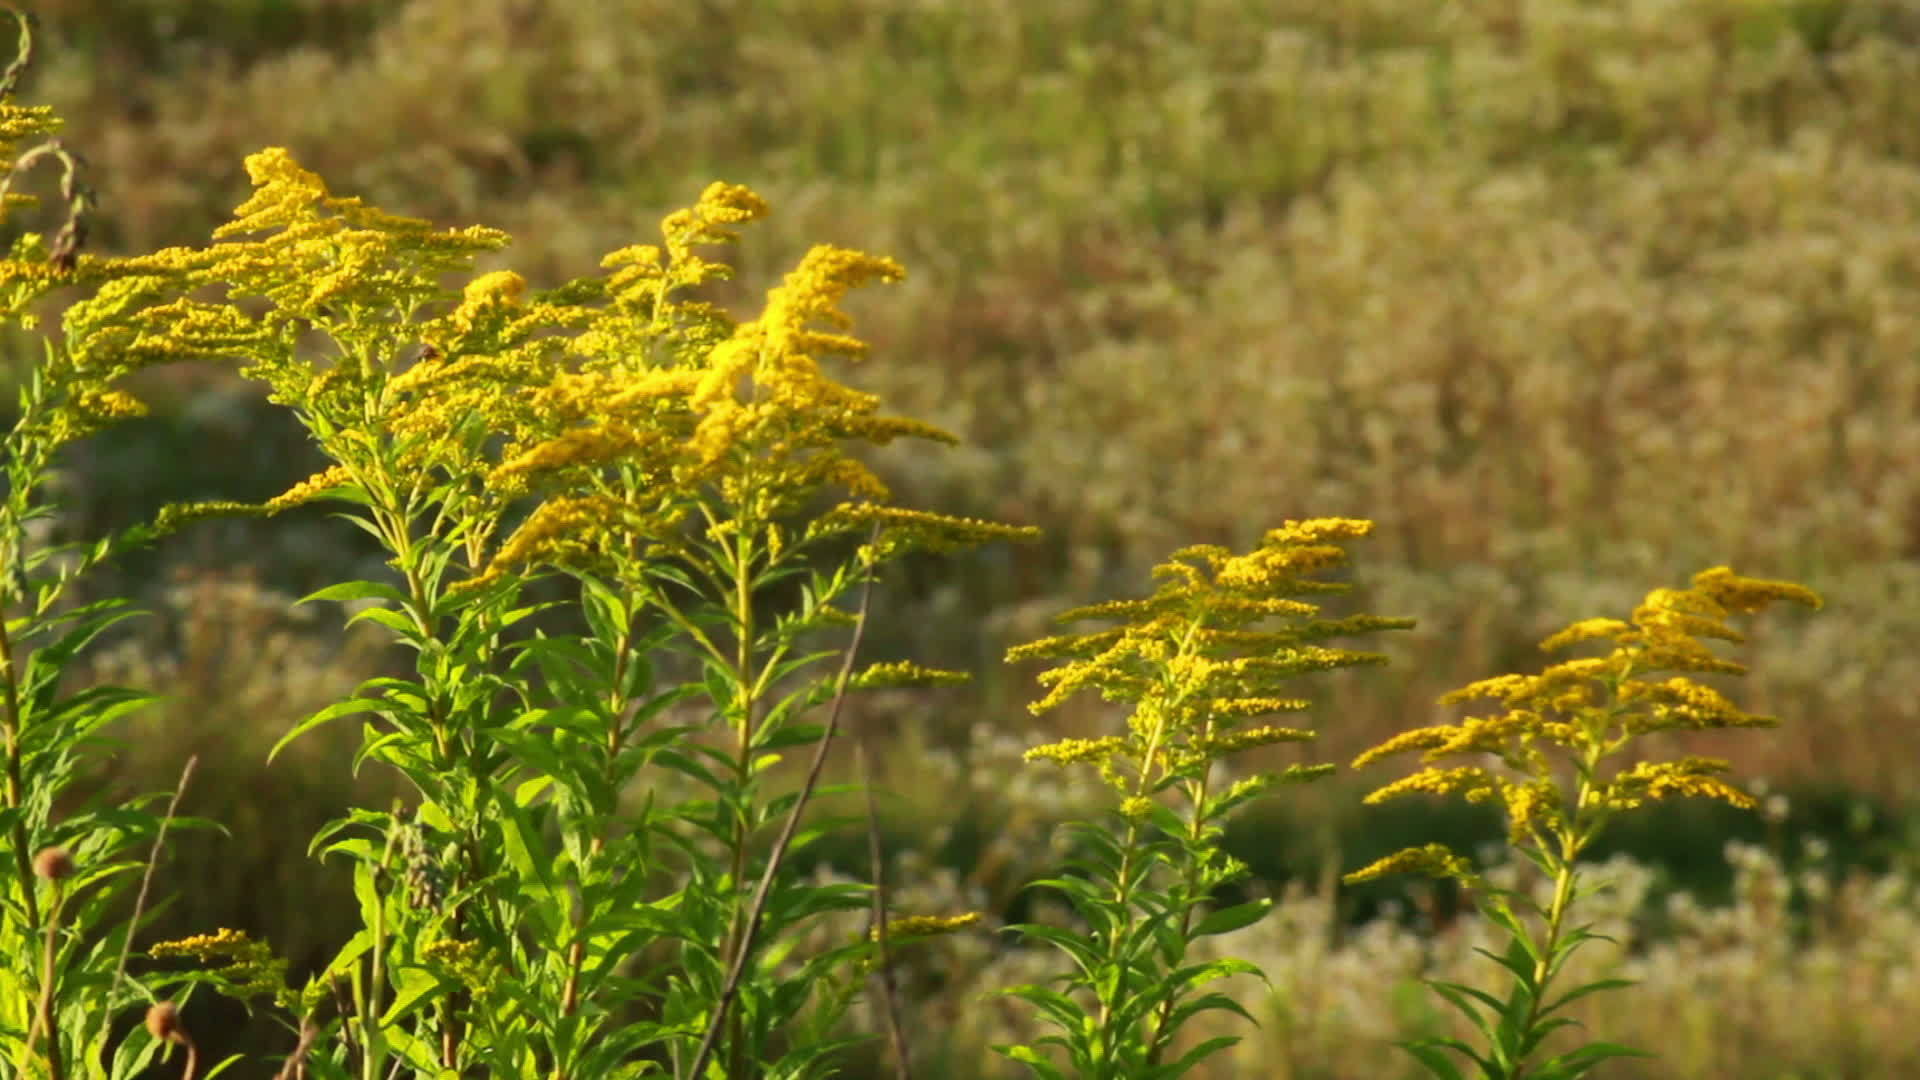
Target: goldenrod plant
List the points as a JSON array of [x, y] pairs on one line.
[[70, 867], [693, 480], [678, 470], [1207, 653], [1564, 747]]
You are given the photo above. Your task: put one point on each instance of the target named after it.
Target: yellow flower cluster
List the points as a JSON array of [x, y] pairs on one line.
[[251, 968], [1204, 652], [658, 411], [1591, 708], [1074, 751], [1433, 859], [466, 961], [905, 673], [915, 926]]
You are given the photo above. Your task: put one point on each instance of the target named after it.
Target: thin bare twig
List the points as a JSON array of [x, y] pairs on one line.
[[889, 986], [146, 879], [11, 77], [296, 1065]]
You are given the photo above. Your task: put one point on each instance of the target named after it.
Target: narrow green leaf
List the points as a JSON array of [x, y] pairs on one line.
[[356, 590], [1227, 920], [1031, 1059], [332, 712]]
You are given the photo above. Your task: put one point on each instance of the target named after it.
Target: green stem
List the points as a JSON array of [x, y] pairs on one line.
[[375, 1038], [43, 1021], [1124, 885], [745, 687], [1196, 831], [616, 734], [777, 856], [16, 785], [1563, 882]]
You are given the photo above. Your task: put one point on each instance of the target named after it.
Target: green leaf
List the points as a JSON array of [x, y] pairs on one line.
[[418, 986], [332, 712], [1575, 1063], [357, 590], [1227, 920], [1456, 995], [1031, 1058], [1193, 1057], [1438, 1063], [399, 622], [1207, 1003], [1582, 991]]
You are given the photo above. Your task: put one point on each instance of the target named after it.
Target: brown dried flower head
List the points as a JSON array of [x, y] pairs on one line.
[[163, 1021], [54, 863]]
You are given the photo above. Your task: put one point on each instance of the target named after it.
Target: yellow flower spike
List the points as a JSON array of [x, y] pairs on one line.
[[1235, 741], [1555, 679], [1683, 704], [1667, 623], [1075, 751], [905, 673], [1434, 860], [1690, 777], [731, 204], [311, 488], [1484, 735], [1245, 707], [1472, 781], [1589, 709], [1418, 739], [919, 926], [1686, 654], [1511, 689], [251, 968], [1736, 593], [1060, 646], [1584, 630], [1316, 530], [638, 258]]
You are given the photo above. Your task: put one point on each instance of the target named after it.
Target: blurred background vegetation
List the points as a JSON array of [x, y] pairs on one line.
[[1573, 298]]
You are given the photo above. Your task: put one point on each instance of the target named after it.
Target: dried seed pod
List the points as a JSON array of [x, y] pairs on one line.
[[163, 1021], [54, 863]]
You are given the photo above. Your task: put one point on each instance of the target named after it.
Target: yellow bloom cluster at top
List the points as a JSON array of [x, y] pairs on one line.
[[615, 410], [1206, 651], [1589, 709]]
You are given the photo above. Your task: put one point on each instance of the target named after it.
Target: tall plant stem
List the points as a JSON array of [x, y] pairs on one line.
[[757, 909], [16, 785], [1197, 795]]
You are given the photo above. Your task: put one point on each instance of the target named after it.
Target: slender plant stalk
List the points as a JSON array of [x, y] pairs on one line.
[[16, 784], [146, 878], [876, 858], [737, 968], [43, 1021]]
